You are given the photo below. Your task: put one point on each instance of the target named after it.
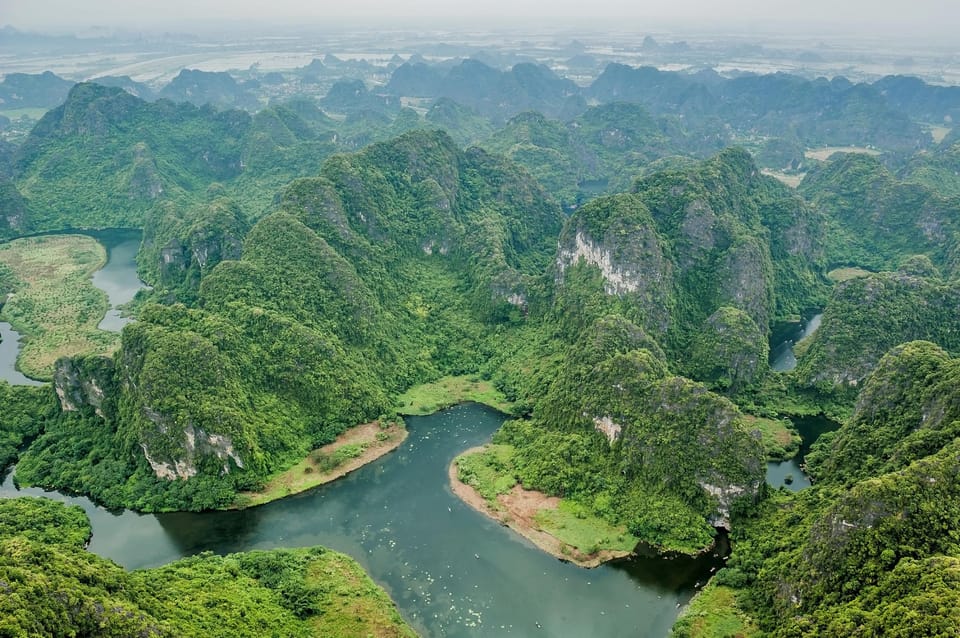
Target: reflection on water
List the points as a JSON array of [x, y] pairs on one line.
[[782, 358], [451, 570], [118, 278]]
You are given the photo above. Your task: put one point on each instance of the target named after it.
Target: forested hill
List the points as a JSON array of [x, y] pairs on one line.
[[388, 269], [54, 587], [872, 547], [411, 260], [305, 274]]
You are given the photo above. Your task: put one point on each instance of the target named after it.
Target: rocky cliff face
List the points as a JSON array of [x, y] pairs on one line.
[[84, 383], [665, 433], [616, 236], [181, 247]]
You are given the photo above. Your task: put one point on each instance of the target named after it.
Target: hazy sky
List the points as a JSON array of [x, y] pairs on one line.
[[853, 16]]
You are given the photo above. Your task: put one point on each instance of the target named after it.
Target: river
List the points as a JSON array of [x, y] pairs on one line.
[[451, 570], [809, 428], [118, 277], [782, 359]]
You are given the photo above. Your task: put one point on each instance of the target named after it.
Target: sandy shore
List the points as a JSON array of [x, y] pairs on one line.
[[518, 509], [305, 475]]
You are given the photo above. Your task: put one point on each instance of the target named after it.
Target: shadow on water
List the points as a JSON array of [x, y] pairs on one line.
[[785, 337], [452, 571], [809, 428]]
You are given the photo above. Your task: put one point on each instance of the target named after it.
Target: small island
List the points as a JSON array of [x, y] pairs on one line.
[[480, 478]]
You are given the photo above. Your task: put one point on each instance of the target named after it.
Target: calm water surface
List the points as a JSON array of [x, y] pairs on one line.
[[118, 278], [809, 428], [782, 358], [9, 349], [451, 570]]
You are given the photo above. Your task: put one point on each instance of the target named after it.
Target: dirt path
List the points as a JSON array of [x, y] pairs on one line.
[[518, 510]]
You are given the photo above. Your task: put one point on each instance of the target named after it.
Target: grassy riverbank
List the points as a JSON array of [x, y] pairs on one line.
[[353, 449], [483, 479], [714, 613], [428, 398], [54, 304]]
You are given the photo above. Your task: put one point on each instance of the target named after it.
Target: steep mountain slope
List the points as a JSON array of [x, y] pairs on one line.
[[385, 271], [871, 548], [876, 219]]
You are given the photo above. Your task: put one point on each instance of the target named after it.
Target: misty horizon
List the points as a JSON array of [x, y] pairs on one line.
[[927, 20]]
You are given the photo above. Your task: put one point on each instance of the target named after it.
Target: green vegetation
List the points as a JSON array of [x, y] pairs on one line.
[[779, 438], [338, 298], [868, 315], [493, 472], [871, 547], [589, 534], [362, 444], [600, 151], [55, 306], [427, 398], [490, 472], [55, 587], [714, 613], [876, 219], [631, 444], [300, 289], [24, 412]]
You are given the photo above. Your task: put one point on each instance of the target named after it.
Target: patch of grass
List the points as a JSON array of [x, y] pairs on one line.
[[838, 275], [328, 461], [574, 525], [714, 613], [365, 442], [489, 472], [430, 397], [56, 308], [779, 438], [352, 604], [823, 154]]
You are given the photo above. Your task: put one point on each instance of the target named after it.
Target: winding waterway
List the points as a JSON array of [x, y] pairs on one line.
[[451, 570], [782, 359], [118, 279], [9, 349]]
